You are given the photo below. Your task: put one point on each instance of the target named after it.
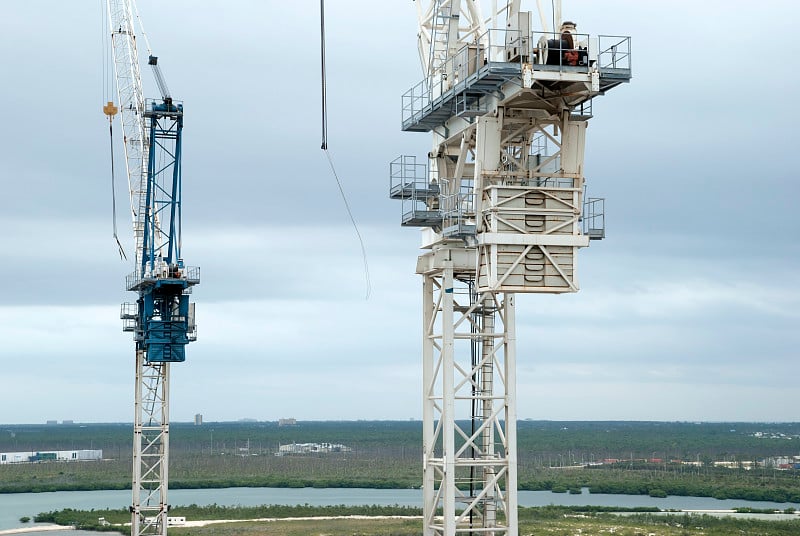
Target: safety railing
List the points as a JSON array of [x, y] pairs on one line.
[[553, 182], [455, 70], [458, 211], [417, 189], [544, 51], [404, 174], [190, 274], [594, 218], [614, 52], [129, 310], [561, 51]]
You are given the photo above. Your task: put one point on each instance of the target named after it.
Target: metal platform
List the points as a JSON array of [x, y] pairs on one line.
[[431, 102], [421, 218], [187, 276], [422, 112]]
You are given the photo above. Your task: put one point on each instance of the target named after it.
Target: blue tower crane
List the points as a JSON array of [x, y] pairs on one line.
[[162, 319]]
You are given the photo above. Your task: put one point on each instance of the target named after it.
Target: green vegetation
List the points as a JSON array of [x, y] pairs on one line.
[[563, 521], [557, 456], [557, 520], [720, 483], [24, 519]]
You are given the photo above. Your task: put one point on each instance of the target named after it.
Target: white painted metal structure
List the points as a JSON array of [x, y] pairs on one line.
[[502, 203], [132, 106], [151, 418]]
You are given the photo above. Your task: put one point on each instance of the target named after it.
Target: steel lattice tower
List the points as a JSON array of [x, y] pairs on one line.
[[502, 206]]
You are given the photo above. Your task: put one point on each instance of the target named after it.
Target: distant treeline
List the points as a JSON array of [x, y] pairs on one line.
[[549, 442], [387, 454]]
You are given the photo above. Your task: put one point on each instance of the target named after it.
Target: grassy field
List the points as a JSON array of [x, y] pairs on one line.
[[577, 525], [549, 520], [565, 525], [339, 527]]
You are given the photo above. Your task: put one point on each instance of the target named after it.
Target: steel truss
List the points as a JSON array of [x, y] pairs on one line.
[[469, 402], [150, 448], [131, 106]]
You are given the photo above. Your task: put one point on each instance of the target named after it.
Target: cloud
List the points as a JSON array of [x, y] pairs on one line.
[[687, 309]]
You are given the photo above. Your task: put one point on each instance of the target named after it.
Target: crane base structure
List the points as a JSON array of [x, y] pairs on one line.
[[502, 206]]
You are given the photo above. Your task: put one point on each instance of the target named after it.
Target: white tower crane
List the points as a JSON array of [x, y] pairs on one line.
[[501, 203], [162, 319]]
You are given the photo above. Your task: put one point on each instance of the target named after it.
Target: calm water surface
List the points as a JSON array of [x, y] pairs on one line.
[[15, 505]]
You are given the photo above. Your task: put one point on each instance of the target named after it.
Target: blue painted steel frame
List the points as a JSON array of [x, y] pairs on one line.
[[163, 304], [166, 123]]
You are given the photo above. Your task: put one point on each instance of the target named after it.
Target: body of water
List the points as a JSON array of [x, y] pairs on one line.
[[15, 505]]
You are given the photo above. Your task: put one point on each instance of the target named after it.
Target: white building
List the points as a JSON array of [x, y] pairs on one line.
[[51, 455], [311, 448]]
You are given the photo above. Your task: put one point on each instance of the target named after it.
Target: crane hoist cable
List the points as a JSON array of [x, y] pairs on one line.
[[323, 77], [327, 153], [110, 110]]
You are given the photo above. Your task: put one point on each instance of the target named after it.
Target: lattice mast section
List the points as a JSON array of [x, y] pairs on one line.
[[469, 420], [150, 504], [501, 201]]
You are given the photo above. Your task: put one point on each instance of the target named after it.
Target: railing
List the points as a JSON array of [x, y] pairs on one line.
[[404, 173], [594, 218], [468, 60], [458, 211], [614, 52], [417, 189], [556, 51], [545, 51], [421, 208], [129, 310], [190, 274]]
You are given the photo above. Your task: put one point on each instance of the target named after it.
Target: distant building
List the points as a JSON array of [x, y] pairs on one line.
[[67, 421], [311, 448], [52, 422], [198, 419], [51, 455], [287, 422]]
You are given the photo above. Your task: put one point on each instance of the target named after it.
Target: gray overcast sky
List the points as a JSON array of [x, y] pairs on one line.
[[688, 310]]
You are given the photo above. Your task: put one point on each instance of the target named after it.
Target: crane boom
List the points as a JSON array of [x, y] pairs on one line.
[[131, 107]]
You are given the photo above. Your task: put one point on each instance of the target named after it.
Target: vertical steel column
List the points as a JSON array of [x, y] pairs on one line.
[[510, 352], [428, 404], [137, 445], [448, 402]]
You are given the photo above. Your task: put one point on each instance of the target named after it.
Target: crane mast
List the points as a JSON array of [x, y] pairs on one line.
[[502, 207], [162, 318]]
